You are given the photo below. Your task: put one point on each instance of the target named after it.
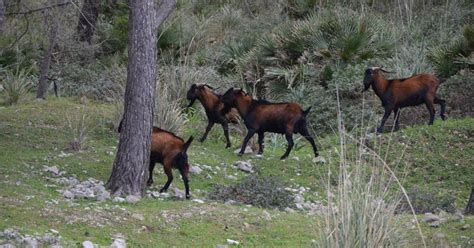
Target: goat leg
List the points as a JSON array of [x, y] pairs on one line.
[[249, 135]]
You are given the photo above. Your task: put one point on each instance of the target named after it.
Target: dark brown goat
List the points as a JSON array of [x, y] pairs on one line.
[[400, 93], [213, 107], [169, 150], [261, 116]]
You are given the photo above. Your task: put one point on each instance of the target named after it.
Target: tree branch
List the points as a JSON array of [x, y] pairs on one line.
[[165, 9], [39, 9]]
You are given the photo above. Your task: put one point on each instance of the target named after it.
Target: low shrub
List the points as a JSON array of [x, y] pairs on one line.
[[426, 200], [267, 192]]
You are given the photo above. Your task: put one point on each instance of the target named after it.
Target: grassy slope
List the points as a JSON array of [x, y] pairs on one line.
[[33, 135]]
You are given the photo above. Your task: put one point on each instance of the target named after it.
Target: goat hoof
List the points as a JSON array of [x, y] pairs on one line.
[[149, 183], [240, 154], [283, 157], [188, 196], [202, 140], [162, 190]]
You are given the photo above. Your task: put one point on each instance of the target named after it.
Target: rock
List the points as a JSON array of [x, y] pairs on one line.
[[198, 201], [244, 166], [299, 199], [232, 242], [439, 235], [52, 169], [231, 177], [435, 223], [1, 88], [248, 150], [87, 244], [103, 195], [195, 170], [459, 216], [319, 159], [118, 199], [7, 245], [138, 216], [68, 194], [296, 158], [31, 242], [118, 243], [222, 246], [267, 215], [178, 193], [155, 194], [289, 210], [132, 199], [230, 202], [465, 227], [429, 217]]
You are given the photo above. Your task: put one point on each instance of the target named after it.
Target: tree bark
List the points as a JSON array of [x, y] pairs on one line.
[[2, 14], [470, 203], [129, 172], [46, 60], [88, 20]]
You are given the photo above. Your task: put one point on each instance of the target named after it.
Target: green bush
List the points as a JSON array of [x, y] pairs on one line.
[[267, 192], [426, 200], [17, 84]]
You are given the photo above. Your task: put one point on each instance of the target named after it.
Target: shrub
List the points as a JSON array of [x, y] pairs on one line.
[[426, 200], [267, 192], [17, 84], [78, 124]]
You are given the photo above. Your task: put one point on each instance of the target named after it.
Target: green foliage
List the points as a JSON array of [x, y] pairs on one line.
[[300, 8], [267, 192], [448, 58], [17, 84]]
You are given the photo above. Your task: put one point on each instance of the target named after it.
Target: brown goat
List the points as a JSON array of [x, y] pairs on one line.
[[169, 150], [213, 107], [400, 93], [261, 116]]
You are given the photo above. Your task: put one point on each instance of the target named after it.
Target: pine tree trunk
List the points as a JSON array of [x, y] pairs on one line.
[[88, 20], [46, 60], [129, 173], [470, 203]]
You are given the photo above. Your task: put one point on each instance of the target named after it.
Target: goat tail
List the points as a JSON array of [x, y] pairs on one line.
[[305, 112], [188, 143]]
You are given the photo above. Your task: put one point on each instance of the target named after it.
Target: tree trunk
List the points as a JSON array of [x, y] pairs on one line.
[[129, 172], [46, 61], [3, 6], [88, 20], [470, 203]]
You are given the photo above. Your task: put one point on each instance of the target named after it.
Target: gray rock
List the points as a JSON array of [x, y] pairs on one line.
[[459, 216], [222, 246], [230, 202], [244, 166], [87, 244], [195, 170], [198, 201], [429, 218], [267, 215], [299, 199], [102, 195], [52, 169], [132, 199], [118, 243], [232, 242], [50, 239], [465, 227], [319, 159], [118, 199], [439, 235], [289, 210], [435, 223], [30, 242], [7, 245], [68, 194], [248, 150], [178, 193], [138, 216]]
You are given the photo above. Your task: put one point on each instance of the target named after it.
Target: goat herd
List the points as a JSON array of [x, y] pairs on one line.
[[260, 116]]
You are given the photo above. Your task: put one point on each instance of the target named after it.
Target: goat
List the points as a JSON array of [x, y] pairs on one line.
[[400, 93], [261, 116], [213, 107], [169, 150]]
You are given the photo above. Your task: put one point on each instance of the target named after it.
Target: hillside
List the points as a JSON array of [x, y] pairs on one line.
[[35, 135]]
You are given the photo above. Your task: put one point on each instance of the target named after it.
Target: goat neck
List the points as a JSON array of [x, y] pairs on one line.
[[243, 104], [380, 84], [208, 98]]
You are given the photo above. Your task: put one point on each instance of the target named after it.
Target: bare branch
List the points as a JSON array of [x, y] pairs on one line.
[[39, 9], [165, 9]]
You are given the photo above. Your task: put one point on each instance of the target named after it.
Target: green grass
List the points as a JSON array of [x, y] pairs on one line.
[[33, 135]]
